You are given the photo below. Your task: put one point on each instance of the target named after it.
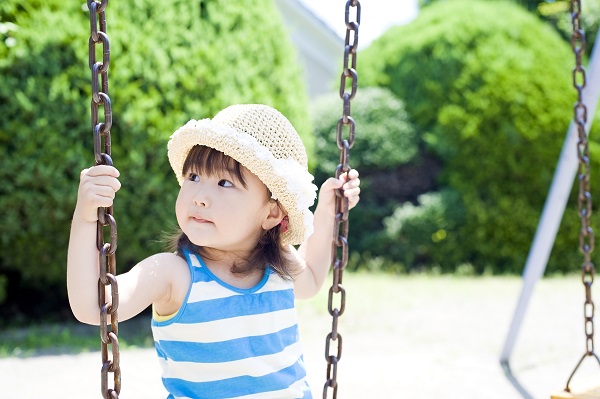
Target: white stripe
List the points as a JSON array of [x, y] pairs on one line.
[[206, 290], [195, 261], [253, 366], [202, 291], [227, 329], [295, 390], [276, 283]]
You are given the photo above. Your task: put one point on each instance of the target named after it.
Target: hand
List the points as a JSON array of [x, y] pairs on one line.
[[97, 188], [349, 182]]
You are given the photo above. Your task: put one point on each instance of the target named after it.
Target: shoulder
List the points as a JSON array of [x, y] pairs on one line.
[[173, 271], [165, 265], [163, 259], [166, 258]]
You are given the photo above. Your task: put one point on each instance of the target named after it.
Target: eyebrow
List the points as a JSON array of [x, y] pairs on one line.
[[210, 161]]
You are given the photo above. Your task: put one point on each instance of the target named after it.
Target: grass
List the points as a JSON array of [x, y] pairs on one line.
[[416, 335], [371, 299], [73, 337], [70, 337]]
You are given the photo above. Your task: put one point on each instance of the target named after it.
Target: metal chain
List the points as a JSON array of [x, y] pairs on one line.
[[584, 199], [102, 156], [340, 232]]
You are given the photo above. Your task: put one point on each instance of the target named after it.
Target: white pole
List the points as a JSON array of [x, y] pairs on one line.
[[554, 207]]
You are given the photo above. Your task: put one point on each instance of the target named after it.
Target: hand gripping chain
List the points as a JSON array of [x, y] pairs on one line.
[[333, 342], [102, 156]]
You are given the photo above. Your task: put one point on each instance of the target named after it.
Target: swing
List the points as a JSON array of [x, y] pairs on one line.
[[340, 232], [102, 155], [586, 234]]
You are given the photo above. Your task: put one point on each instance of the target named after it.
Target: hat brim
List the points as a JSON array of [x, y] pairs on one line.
[[286, 179]]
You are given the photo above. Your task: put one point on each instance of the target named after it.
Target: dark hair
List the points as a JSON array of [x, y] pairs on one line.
[[268, 250]]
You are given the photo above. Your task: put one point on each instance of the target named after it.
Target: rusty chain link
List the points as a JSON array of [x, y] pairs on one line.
[[584, 198], [340, 232], [102, 156]]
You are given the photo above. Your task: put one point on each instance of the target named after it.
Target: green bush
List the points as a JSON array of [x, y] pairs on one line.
[[557, 13], [382, 126], [424, 234], [171, 61], [488, 87]]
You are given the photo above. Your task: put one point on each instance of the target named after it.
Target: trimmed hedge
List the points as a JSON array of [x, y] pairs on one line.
[[382, 126], [171, 61], [488, 87]]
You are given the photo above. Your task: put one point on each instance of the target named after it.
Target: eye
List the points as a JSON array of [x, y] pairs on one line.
[[193, 177], [225, 183]]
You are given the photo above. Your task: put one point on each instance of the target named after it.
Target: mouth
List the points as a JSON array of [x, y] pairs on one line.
[[199, 219]]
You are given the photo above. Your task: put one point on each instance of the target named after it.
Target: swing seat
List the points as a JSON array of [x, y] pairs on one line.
[[591, 390], [587, 394]]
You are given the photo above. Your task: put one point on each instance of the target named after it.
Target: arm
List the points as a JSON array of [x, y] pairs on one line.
[[146, 283], [97, 188], [315, 253]]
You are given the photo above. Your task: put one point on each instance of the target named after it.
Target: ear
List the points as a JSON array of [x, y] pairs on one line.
[[275, 216]]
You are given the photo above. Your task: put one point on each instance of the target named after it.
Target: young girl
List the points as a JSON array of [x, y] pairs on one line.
[[224, 322]]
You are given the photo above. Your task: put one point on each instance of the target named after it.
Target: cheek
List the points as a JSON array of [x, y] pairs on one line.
[[179, 208]]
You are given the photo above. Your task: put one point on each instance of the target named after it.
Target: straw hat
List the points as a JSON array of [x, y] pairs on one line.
[[265, 142]]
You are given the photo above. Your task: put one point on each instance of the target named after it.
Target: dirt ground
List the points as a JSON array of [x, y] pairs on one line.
[[403, 337]]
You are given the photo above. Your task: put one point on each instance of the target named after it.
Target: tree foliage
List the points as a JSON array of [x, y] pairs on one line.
[[171, 61], [488, 87], [388, 175], [558, 14]]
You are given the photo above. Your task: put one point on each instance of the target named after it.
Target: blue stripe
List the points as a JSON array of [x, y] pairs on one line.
[[203, 274], [237, 305], [159, 351], [239, 386], [198, 275], [227, 351]]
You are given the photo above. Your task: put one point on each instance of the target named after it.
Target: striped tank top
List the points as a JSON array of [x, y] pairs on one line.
[[226, 342]]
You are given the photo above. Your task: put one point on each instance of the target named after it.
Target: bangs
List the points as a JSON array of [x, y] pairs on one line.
[[210, 162]]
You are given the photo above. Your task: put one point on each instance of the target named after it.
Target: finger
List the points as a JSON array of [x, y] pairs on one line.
[[352, 184], [103, 202], [353, 192], [353, 201], [95, 183], [102, 170], [109, 181], [101, 175], [98, 190], [332, 183], [350, 175], [96, 196], [104, 197]]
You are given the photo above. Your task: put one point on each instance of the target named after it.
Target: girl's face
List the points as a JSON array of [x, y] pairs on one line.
[[217, 210]]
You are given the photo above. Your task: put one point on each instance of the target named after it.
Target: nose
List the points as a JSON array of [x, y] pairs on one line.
[[201, 201], [202, 198]]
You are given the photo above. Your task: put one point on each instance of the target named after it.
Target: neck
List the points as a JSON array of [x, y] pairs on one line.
[[223, 265]]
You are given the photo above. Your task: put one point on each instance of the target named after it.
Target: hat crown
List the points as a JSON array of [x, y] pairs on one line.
[[268, 126]]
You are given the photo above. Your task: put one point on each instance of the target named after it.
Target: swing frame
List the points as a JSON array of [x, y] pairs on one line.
[[569, 165]]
